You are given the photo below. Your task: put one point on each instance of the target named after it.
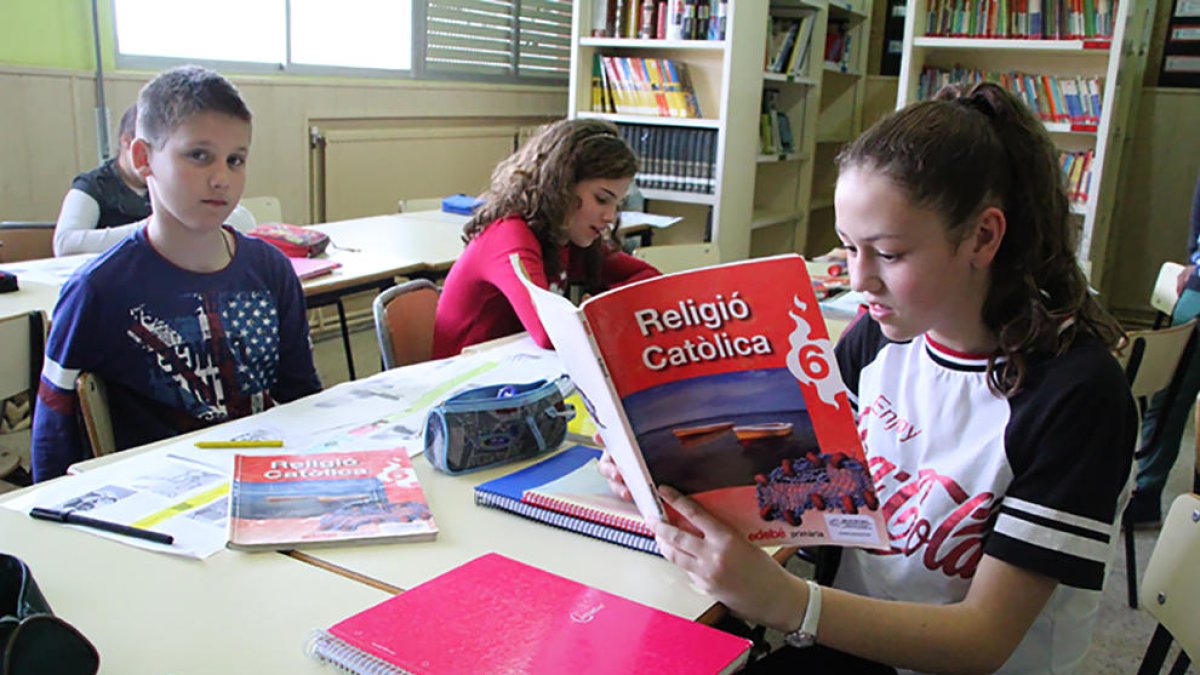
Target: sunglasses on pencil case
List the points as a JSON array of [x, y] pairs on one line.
[[293, 240], [488, 426], [32, 639]]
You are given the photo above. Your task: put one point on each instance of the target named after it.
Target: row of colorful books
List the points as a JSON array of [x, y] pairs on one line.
[[673, 158], [661, 19], [789, 41], [1054, 98], [1053, 19], [1077, 172], [643, 86]]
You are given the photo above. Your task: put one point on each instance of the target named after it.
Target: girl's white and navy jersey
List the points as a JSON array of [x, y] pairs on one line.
[[1037, 480]]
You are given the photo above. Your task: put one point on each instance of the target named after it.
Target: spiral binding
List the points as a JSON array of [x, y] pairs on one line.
[[561, 520], [587, 513], [323, 646]]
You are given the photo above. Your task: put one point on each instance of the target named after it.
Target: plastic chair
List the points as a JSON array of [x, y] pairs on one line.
[[24, 340], [26, 241], [1164, 296], [678, 257], [411, 205], [97, 421], [1153, 360], [404, 322], [264, 209], [1171, 593]]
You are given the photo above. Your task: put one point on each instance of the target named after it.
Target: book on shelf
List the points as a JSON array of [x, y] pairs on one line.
[[567, 491], [645, 86], [673, 158], [1036, 19], [722, 383], [496, 615], [1053, 98], [323, 499]]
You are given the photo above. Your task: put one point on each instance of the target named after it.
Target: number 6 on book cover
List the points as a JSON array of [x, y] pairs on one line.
[[722, 383]]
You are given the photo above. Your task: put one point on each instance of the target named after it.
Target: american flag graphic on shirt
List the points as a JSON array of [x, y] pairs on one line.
[[217, 360]]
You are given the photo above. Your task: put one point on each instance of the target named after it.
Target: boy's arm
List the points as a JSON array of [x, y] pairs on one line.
[[58, 440], [76, 232], [297, 375], [516, 237]]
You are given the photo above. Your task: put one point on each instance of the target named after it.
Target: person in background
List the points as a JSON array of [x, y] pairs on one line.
[[554, 203], [1002, 498], [188, 322], [1156, 461], [105, 204]]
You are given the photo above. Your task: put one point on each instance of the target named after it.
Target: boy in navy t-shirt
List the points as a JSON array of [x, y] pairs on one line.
[[188, 322]]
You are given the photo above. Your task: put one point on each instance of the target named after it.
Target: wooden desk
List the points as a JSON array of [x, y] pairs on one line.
[[152, 614]]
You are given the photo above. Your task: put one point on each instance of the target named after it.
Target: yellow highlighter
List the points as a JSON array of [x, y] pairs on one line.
[[239, 444]]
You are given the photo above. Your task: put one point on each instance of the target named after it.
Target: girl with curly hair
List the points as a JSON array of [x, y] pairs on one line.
[[554, 203]]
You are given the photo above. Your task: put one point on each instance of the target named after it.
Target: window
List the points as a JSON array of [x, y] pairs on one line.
[[498, 38], [505, 40]]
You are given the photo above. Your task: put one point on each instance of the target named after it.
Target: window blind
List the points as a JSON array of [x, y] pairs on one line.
[[505, 39]]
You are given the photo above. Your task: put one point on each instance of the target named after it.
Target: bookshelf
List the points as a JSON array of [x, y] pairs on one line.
[[1114, 63], [836, 112], [761, 198], [719, 75]]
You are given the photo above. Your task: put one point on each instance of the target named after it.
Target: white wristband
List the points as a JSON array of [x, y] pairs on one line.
[[806, 634]]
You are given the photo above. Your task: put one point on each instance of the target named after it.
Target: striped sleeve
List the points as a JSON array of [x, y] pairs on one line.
[[1071, 445], [58, 440]]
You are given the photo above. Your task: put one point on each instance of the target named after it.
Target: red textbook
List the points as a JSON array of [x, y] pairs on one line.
[[496, 615], [722, 383], [322, 499]]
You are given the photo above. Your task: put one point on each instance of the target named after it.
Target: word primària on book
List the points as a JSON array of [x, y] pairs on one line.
[[713, 315], [311, 468]]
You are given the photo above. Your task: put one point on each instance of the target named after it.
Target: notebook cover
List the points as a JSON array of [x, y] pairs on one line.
[[497, 615], [307, 268], [322, 499], [569, 483]]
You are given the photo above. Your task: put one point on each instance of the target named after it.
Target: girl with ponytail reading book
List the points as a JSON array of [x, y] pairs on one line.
[[998, 427]]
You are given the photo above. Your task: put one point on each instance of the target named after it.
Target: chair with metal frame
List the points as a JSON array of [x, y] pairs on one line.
[[669, 258], [404, 317], [1154, 361], [97, 420], [24, 340], [1171, 593], [26, 241]]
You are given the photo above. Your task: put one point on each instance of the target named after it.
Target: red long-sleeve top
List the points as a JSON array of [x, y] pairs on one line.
[[482, 298]]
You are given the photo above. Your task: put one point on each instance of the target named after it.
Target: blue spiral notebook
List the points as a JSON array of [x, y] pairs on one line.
[[567, 491]]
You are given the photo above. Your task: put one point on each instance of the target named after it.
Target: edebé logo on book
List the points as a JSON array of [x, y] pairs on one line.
[[586, 615]]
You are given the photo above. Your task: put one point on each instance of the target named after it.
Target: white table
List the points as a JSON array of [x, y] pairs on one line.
[[152, 614]]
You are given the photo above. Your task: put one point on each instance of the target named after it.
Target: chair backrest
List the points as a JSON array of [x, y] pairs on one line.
[[678, 257], [24, 338], [1171, 586], [411, 205], [1164, 296], [404, 322], [25, 241], [97, 420], [264, 209], [1151, 357]]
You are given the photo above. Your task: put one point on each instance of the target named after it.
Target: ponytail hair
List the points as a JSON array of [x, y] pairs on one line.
[[966, 151], [537, 184]]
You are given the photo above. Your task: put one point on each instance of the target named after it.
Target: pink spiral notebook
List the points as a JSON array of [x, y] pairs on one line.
[[497, 615]]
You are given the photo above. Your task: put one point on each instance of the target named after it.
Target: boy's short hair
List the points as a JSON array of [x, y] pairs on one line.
[[128, 122], [177, 94]]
